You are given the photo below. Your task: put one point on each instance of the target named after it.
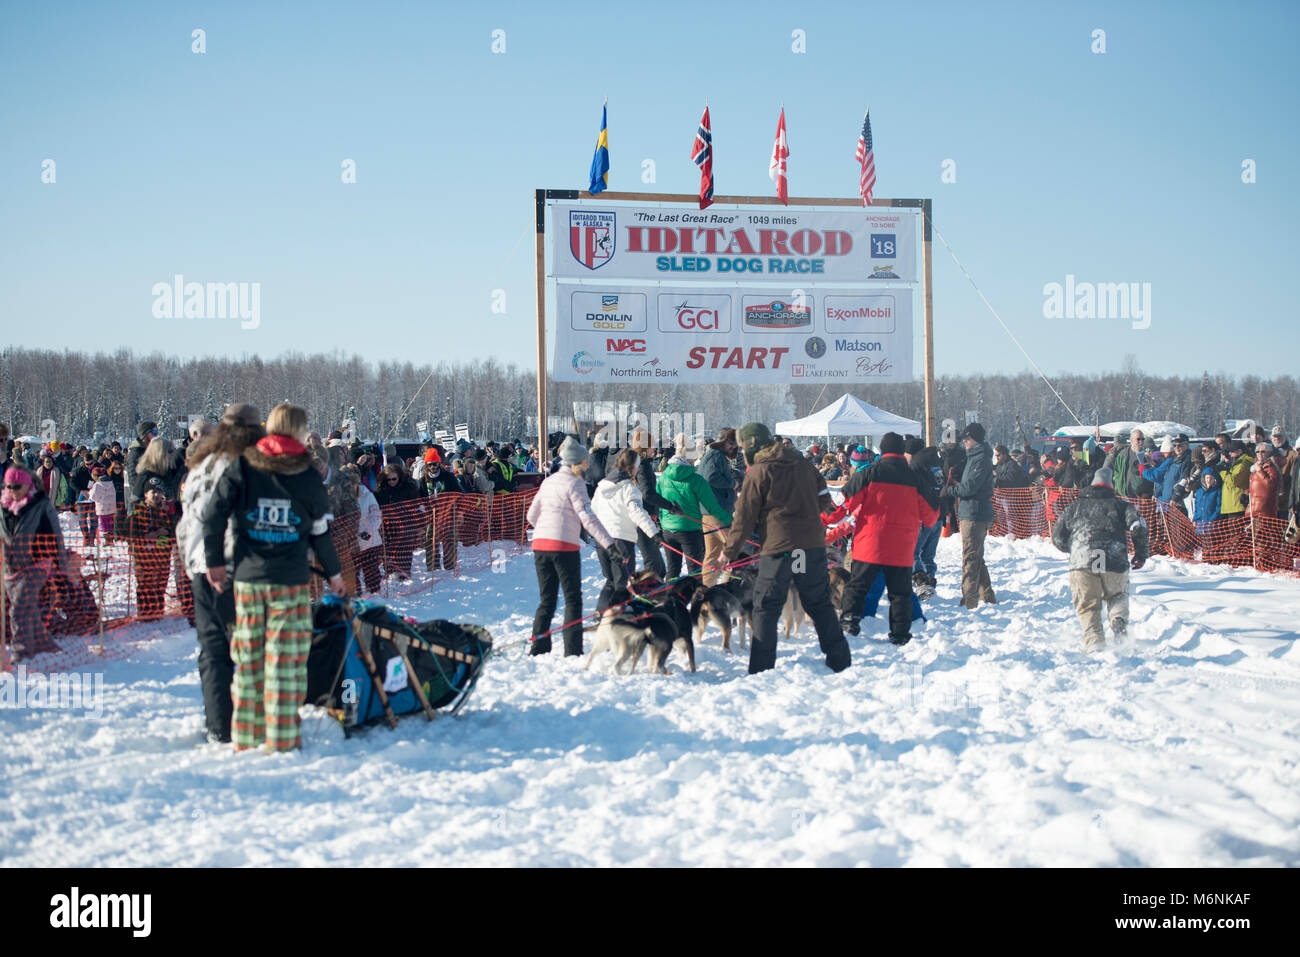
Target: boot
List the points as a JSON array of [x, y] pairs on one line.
[[540, 646]]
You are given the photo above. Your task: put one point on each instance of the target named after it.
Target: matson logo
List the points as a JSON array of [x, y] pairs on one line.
[[857, 345], [624, 345], [694, 314]]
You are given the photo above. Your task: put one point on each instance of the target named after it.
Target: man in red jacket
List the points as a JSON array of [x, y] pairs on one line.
[[889, 507]]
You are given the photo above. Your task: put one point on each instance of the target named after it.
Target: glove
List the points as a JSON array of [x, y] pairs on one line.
[[949, 492], [675, 509], [1137, 563], [657, 539]]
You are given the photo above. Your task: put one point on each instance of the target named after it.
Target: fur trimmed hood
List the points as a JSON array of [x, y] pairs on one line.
[[279, 464]]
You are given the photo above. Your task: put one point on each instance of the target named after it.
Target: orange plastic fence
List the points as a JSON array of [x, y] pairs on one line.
[[1230, 540], [95, 593]]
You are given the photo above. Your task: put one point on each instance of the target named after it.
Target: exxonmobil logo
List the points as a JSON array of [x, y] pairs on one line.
[[619, 346]]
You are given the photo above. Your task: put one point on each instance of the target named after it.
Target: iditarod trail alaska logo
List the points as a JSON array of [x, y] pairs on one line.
[[592, 237]]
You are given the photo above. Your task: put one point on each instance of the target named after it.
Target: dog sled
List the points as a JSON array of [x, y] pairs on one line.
[[368, 665]]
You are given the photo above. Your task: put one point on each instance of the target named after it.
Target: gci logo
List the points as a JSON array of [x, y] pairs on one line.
[[692, 317]]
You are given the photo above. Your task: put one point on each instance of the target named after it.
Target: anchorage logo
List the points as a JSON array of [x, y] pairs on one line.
[[1102, 300], [103, 910], [179, 299], [584, 362], [777, 316]]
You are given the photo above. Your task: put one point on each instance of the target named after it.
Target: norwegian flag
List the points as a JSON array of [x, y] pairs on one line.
[[776, 169], [702, 156], [865, 156]]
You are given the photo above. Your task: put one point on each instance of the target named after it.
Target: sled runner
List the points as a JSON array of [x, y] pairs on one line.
[[369, 665]]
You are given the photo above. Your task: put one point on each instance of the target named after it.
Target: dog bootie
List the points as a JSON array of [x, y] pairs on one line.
[[850, 626], [899, 639]]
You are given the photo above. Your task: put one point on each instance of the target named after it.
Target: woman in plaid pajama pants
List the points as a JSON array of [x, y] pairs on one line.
[[278, 507]]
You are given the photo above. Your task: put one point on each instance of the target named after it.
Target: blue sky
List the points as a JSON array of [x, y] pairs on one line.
[[1115, 167]]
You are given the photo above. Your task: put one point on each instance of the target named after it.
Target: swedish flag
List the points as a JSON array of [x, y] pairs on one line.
[[600, 162]]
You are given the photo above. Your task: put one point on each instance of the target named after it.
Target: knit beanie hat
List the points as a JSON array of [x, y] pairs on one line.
[[572, 452], [891, 444], [1104, 477], [754, 436], [914, 445], [431, 455], [859, 454], [974, 431], [144, 428], [1167, 446], [17, 476]]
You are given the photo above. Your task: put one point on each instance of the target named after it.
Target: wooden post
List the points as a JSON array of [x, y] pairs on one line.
[[928, 290], [542, 451]]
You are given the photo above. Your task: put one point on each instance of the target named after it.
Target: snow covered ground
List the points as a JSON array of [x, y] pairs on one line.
[[990, 740]]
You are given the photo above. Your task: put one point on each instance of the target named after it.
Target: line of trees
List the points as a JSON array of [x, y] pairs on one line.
[[81, 397]]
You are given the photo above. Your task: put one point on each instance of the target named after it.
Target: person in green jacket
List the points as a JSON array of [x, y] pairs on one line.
[[691, 492], [1235, 475]]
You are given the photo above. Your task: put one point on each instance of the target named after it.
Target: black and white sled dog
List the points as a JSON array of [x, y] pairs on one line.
[[640, 619]]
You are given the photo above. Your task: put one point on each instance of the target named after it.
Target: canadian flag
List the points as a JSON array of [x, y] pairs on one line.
[[776, 169]]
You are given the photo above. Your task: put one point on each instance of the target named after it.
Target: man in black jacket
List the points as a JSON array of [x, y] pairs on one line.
[[645, 480], [716, 469], [974, 496], [1095, 529]]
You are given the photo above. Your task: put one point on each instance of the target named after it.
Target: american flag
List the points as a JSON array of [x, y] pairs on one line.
[[867, 180], [702, 156]]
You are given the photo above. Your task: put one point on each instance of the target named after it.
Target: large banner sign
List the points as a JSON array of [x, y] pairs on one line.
[[672, 244], [742, 334]]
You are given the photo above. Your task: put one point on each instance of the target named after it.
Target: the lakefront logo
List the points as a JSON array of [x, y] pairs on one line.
[[179, 299], [1099, 300], [72, 692], [102, 910]]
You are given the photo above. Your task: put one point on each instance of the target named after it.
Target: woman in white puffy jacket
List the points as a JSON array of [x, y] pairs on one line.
[[370, 539], [214, 612], [618, 504]]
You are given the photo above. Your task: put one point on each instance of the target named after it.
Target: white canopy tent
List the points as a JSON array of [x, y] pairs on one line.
[[848, 415]]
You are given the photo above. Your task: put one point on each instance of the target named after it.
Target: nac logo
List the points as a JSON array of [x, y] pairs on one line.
[[624, 345]]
